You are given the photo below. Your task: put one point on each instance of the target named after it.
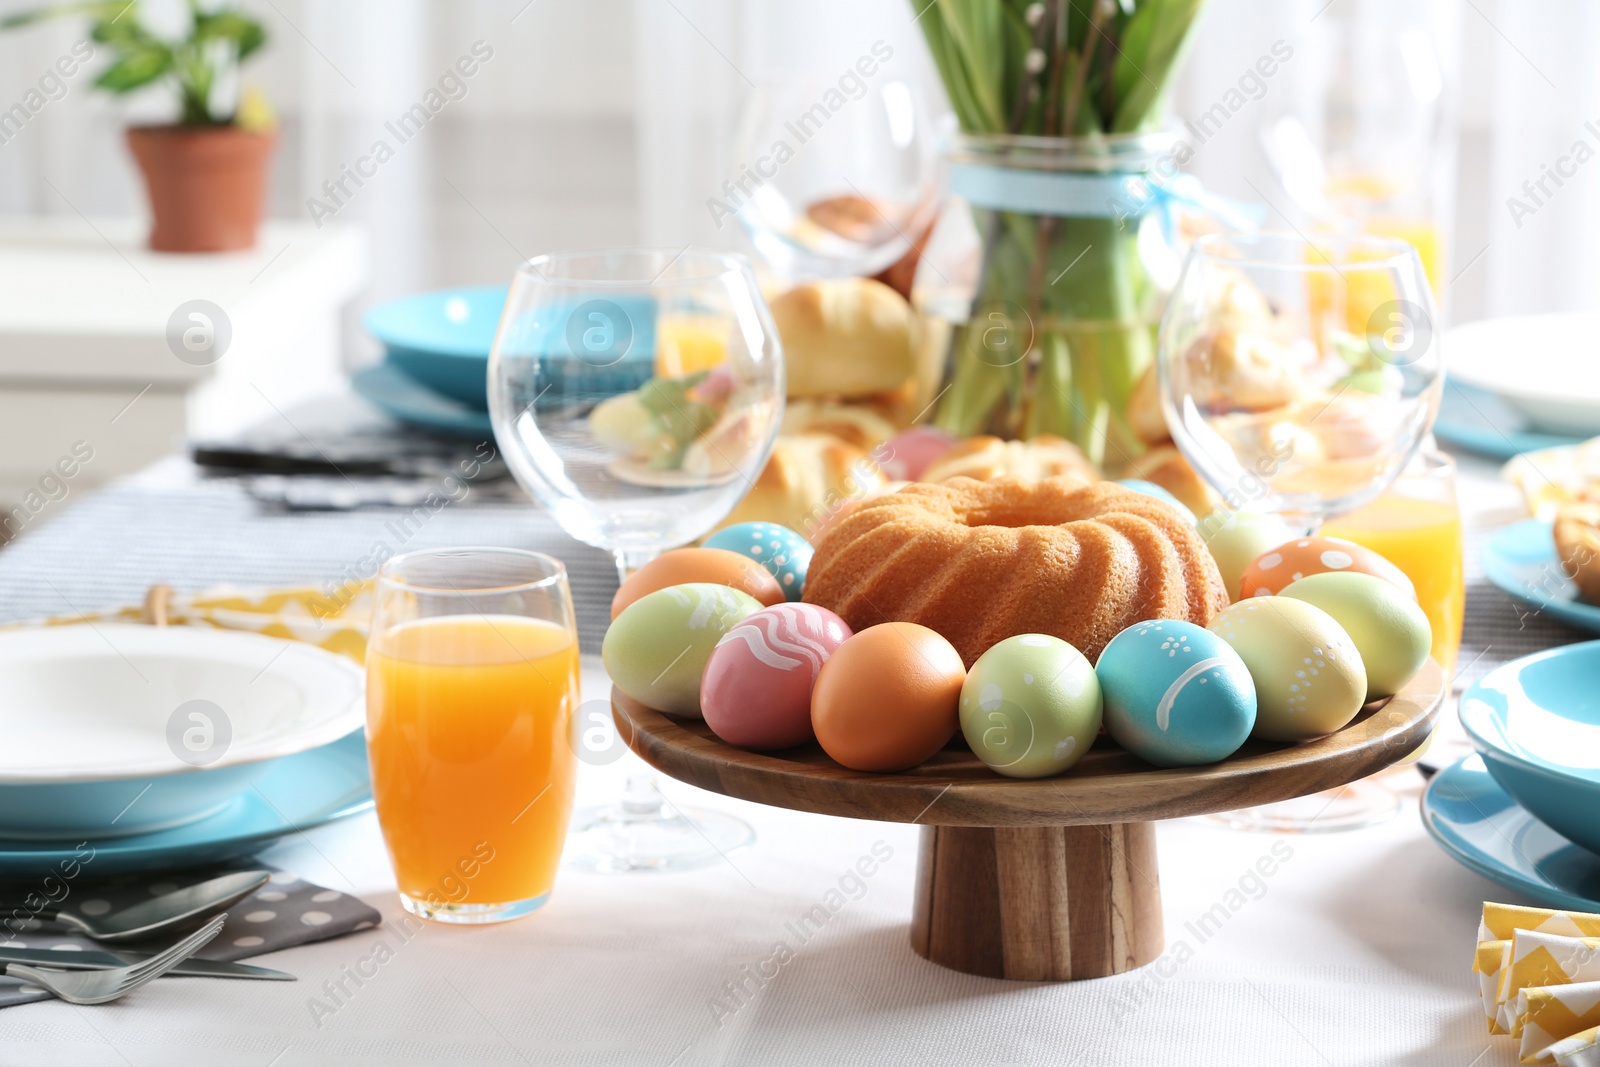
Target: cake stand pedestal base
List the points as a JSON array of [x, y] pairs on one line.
[[1038, 903]]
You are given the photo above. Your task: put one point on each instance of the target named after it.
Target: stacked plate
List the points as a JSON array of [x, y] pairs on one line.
[[1520, 384], [145, 747], [436, 355], [1525, 810]]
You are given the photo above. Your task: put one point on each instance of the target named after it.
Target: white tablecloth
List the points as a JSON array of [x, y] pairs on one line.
[[1357, 950]]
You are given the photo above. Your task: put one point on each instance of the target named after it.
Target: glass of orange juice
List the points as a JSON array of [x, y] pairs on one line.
[[472, 682], [1416, 525]]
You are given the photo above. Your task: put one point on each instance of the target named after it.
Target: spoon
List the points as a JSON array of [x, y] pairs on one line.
[[186, 905]]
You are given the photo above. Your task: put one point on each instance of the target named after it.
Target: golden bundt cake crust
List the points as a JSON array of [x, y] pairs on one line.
[[983, 561]]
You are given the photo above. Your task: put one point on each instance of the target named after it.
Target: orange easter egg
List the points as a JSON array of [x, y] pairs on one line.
[[887, 699], [1272, 571], [715, 566]]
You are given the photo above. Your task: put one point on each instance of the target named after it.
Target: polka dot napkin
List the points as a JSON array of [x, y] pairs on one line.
[[287, 911]]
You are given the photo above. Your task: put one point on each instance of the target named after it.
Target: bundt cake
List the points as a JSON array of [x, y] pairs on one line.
[[982, 561]]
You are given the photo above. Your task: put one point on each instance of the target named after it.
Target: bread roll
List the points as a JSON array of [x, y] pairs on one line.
[[807, 477], [846, 337], [1577, 535], [1165, 466], [861, 424]]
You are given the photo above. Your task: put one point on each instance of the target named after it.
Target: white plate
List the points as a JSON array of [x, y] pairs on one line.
[[111, 731], [1545, 366]]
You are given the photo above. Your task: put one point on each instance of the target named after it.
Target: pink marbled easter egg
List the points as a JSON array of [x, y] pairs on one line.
[[756, 690]]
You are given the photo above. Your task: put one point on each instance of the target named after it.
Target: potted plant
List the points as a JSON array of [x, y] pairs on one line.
[[206, 172]]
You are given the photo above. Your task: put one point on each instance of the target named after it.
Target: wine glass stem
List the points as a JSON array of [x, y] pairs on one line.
[[631, 559]]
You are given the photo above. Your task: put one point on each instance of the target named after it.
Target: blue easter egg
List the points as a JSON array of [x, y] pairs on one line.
[[784, 553], [1139, 485], [1175, 694]]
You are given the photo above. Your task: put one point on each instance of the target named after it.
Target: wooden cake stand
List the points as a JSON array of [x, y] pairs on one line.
[[1047, 879]]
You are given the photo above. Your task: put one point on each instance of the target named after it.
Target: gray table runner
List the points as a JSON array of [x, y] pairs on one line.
[[108, 548]]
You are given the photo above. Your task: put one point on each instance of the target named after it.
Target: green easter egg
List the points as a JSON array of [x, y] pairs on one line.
[[1030, 706], [656, 650], [1389, 630]]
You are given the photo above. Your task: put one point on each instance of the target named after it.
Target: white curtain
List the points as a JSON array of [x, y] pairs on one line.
[[610, 122]]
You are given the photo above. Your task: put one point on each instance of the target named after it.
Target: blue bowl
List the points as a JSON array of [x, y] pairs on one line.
[[1536, 723], [441, 340]]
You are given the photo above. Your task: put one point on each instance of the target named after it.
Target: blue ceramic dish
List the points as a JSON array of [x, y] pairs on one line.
[[1536, 723], [1479, 421], [1521, 559], [387, 388], [588, 351], [291, 794], [1481, 827]]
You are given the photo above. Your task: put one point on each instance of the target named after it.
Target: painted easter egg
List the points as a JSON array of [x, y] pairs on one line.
[[784, 553], [910, 452], [656, 650], [1139, 485], [756, 692], [1236, 538], [1308, 674], [886, 699], [683, 566], [1176, 694], [1389, 630], [1291, 561], [1030, 706]]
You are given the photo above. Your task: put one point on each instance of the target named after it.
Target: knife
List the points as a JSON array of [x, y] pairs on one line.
[[96, 960]]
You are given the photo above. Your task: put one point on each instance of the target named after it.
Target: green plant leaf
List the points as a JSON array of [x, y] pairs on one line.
[[245, 32], [135, 69]]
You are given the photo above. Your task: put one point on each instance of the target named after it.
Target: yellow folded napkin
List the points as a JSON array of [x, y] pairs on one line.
[[1548, 1014], [1539, 979], [1544, 960], [337, 622], [1579, 1050]]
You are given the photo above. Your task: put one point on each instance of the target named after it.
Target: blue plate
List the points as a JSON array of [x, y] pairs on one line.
[[1478, 420], [1521, 559], [1481, 827], [296, 793], [1536, 723], [587, 351], [389, 389]]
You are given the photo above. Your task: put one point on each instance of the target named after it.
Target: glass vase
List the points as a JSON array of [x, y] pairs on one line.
[[1043, 285]]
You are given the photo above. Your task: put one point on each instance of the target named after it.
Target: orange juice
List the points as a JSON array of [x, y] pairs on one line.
[[1422, 538], [468, 721]]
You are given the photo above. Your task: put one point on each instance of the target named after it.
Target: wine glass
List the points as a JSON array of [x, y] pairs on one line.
[[637, 394], [833, 177], [1299, 375]]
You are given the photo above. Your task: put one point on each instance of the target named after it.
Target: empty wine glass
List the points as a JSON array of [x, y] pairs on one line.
[[636, 394], [834, 177], [1299, 375]]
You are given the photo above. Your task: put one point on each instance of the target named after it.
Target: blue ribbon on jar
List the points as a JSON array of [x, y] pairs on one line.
[[1108, 195]]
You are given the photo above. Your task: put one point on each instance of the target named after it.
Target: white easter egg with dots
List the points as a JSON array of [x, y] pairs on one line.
[[785, 554], [1176, 694], [1030, 706], [1308, 675]]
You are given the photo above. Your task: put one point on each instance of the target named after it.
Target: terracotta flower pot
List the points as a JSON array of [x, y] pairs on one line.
[[207, 185]]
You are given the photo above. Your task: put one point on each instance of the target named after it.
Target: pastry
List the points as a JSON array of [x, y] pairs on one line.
[[807, 476], [846, 337], [1145, 417], [1577, 534], [985, 458], [1228, 369], [982, 561], [864, 425], [1553, 477]]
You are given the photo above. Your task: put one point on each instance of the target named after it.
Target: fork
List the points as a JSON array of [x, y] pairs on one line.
[[98, 987]]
